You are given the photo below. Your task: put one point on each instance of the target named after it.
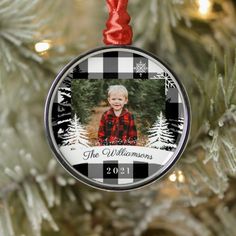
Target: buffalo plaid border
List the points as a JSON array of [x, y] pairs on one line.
[[113, 172], [119, 64], [116, 65]]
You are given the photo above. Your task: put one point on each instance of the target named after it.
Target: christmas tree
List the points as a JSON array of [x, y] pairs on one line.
[[160, 136], [75, 134], [37, 197]]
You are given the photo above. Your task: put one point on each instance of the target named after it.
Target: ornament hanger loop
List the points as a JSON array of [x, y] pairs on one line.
[[118, 31]]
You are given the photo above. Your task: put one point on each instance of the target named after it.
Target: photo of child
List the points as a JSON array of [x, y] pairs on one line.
[[117, 125], [117, 112]]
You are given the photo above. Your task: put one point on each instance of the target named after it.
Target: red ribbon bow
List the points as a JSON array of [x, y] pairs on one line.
[[118, 31]]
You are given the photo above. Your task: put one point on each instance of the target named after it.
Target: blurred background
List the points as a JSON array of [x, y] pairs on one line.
[[197, 39]]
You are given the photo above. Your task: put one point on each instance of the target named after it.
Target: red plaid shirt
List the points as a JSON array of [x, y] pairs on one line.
[[115, 130]]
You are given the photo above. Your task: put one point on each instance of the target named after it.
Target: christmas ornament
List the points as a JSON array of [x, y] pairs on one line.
[[117, 118]]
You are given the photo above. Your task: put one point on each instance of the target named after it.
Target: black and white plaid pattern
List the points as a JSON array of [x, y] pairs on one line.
[[116, 65], [120, 64], [113, 172]]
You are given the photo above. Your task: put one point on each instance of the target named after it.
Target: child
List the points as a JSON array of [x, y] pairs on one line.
[[117, 126]]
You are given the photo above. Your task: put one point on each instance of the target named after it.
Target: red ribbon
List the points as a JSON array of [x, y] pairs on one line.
[[118, 31]]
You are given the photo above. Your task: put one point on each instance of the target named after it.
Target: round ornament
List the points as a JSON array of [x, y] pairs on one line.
[[117, 118]]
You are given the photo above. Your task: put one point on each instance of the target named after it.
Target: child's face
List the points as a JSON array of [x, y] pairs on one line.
[[117, 100]]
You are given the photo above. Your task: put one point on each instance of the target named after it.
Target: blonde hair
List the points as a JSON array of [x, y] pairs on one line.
[[118, 88]]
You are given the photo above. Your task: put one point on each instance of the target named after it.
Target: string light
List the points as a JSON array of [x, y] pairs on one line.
[[204, 6], [42, 46], [177, 177], [173, 177], [181, 178]]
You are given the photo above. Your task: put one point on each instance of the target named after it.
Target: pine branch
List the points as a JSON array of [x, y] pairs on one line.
[[25, 163], [178, 34], [22, 25], [212, 144]]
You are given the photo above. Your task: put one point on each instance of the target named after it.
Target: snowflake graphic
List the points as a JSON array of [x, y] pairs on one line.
[[140, 68], [169, 83]]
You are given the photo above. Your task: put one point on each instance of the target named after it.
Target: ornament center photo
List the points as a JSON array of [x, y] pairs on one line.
[[117, 118]]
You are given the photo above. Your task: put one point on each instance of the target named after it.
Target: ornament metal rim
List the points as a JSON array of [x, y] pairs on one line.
[[89, 182]]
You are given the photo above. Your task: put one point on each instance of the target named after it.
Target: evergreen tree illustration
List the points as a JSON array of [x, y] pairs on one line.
[[177, 126], [62, 110], [160, 136], [75, 134]]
